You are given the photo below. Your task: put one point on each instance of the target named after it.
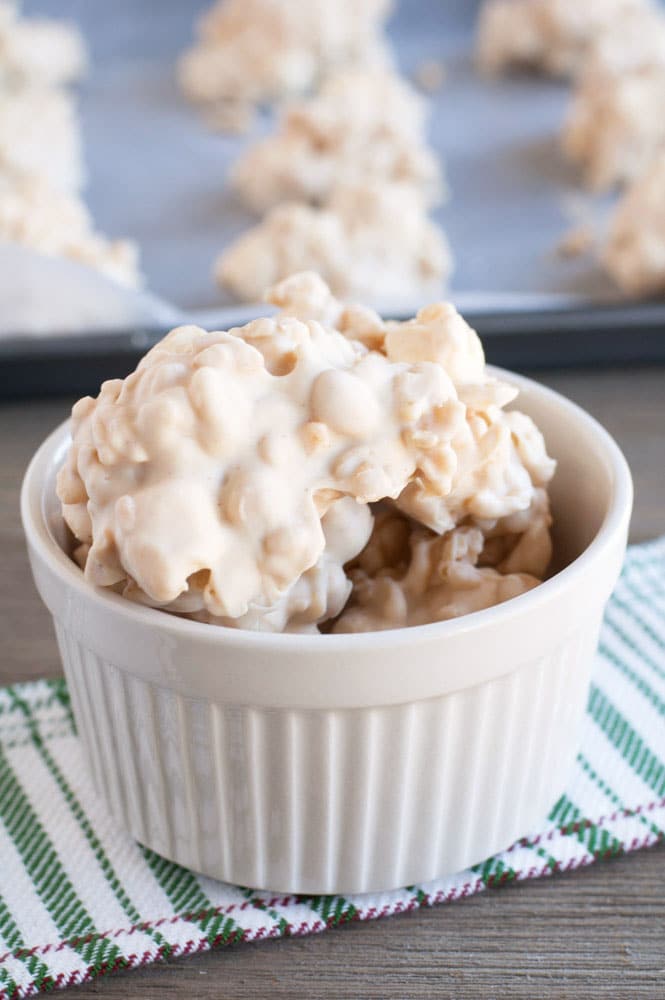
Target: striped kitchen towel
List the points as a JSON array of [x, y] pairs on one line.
[[79, 898]]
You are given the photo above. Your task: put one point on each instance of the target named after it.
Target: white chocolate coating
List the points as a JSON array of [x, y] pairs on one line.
[[254, 51], [322, 591], [370, 241], [635, 251], [491, 478], [500, 457], [550, 36], [364, 125], [230, 477], [56, 223]]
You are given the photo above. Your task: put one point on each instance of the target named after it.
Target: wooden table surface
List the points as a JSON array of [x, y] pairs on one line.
[[598, 932]]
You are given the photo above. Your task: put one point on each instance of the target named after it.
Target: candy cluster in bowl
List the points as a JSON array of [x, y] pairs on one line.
[[295, 570], [230, 477]]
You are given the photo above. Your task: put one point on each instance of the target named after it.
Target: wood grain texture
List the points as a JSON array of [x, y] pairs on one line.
[[599, 932]]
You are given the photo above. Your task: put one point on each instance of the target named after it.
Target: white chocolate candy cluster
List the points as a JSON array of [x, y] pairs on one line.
[[371, 241], [253, 51], [635, 251], [56, 223], [222, 452], [616, 123], [39, 128], [364, 125], [41, 168], [550, 36], [345, 181], [230, 477]]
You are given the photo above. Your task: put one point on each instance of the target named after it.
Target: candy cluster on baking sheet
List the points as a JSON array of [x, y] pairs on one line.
[[614, 131], [41, 161]]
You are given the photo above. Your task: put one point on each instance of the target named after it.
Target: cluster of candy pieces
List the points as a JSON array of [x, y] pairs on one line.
[[234, 476], [614, 51], [41, 162]]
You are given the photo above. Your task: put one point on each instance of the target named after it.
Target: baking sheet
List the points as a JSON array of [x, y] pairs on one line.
[[157, 174]]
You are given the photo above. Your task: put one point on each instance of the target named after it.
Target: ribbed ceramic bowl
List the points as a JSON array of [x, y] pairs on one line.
[[342, 763]]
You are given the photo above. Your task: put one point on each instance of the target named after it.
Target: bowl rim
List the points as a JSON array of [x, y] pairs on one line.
[[41, 540]]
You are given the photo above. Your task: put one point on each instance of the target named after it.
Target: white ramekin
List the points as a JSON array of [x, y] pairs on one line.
[[342, 763]]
